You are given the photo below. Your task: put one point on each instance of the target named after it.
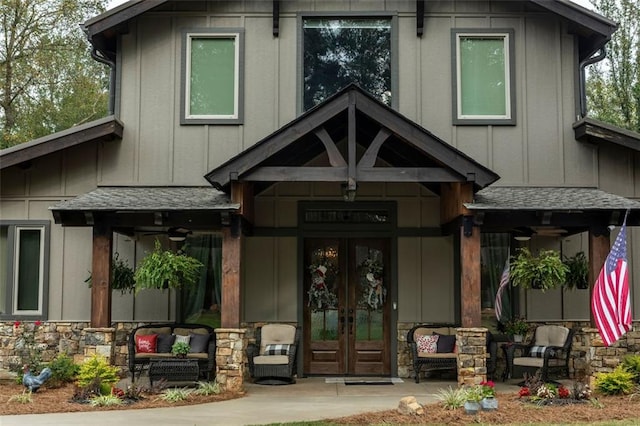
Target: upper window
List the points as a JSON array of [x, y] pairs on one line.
[[24, 265], [483, 61], [212, 76], [340, 51]]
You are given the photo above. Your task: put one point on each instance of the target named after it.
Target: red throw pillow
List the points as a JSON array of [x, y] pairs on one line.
[[146, 344]]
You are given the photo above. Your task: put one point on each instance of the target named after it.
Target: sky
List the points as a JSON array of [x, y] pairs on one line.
[[583, 3]]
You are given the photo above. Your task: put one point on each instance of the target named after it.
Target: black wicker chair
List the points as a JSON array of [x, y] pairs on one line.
[[272, 359], [548, 351]]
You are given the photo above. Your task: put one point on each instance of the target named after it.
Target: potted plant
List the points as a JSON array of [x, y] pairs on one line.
[[164, 269], [545, 271], [122, 276], [488, 401], [180, 349], [517, 327], [473, 395], [577, 271]]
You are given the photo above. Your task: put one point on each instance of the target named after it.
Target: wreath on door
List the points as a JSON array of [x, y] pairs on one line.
[[374, 293], [320, 296]]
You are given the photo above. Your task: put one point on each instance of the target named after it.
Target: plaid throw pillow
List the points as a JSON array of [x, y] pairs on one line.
[[277, 349], [538, 351]]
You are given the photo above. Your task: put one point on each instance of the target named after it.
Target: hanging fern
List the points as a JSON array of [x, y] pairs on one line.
[[165, 269]]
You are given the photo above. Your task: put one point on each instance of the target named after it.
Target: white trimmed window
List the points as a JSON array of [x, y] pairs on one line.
[[483, 64], [212, 76], [24, 249]]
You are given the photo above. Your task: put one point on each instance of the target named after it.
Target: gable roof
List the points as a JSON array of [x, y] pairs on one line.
[[104, 129], [592, 29], [322, 145]]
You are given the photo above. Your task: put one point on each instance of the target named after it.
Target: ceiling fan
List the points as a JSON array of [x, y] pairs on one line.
[[177, 233], [524, 233]]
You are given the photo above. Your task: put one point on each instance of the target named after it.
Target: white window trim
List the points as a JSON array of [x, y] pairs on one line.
[[509, 63], [16, 277], [186, 116]]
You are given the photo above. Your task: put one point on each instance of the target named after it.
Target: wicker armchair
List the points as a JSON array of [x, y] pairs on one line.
[[548, 352], [272, 359]]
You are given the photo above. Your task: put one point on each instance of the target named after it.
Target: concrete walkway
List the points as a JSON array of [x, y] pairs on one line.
[[308, 399]]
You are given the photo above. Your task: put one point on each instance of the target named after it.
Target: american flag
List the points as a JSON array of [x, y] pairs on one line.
[[610, 303], [504, 281]]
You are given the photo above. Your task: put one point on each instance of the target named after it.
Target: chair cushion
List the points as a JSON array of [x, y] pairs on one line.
[[277, 349], [153, 330], [181, 331], [271, 359], [551, 335], [276, 334], [165, 341], [428, 344]]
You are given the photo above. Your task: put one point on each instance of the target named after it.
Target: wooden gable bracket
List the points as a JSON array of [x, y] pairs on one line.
[[276, 18], [420, 17]]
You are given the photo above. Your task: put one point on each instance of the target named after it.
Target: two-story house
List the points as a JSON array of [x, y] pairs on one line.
[[398, 147]]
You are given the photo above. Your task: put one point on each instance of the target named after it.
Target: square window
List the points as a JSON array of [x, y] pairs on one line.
[[483, 64], [24, 266], [212, 76], [333, 57]]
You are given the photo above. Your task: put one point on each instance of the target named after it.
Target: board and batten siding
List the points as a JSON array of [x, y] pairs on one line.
[[539, 150]]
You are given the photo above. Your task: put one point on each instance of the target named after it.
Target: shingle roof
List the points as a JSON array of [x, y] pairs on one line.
[[149, 198], [548, 198]]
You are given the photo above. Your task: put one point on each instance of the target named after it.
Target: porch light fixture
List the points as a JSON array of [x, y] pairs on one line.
[[348, 195], [178, 234]]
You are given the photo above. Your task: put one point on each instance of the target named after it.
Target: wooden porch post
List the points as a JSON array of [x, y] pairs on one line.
[[598, 250], [101, 276], [231, 250], [470, 297]]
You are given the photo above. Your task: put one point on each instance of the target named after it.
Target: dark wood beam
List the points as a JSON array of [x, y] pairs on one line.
[[191, 219], [453, 195], [101, 276], [470, 278], [599, 245], [276, 18], [231, 278], [242, 193], [371, 154], [420, 17], [407, 174], [298, 174], [352, 182], [335, 158]]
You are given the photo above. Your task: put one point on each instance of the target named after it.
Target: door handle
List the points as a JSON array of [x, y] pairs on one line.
[[350, 321], [341, 320]]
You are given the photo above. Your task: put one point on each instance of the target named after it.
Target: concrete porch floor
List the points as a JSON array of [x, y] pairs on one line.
[[308, 399]]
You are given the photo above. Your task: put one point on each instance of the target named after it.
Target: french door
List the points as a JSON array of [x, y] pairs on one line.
[[346, 308]]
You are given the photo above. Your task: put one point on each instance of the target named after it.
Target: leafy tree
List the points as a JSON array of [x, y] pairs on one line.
[[613, 85], [49, 82]]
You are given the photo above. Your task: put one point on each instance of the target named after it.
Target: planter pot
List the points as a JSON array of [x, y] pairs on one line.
[[489, 404], [517, 338], [472, 407]]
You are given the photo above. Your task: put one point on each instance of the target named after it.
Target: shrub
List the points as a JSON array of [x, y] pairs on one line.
[[452, 398], [175, 394], [631, 363], [619, 381], [105, 401], [97, 368], [21, 398], [208, 388], [63, 370]]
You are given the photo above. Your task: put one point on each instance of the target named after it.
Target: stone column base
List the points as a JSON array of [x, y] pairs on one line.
[[230, 349]]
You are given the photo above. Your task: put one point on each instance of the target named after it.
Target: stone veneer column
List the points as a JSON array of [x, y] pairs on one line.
[[230, 349], [472, 357], [602, 359], [99, 341]]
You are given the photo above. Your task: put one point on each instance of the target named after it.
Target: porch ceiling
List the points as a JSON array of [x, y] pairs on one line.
[[571, 208], [352, 137]]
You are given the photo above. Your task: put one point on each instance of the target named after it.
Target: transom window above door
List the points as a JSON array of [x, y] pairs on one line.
[[338, 51]]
